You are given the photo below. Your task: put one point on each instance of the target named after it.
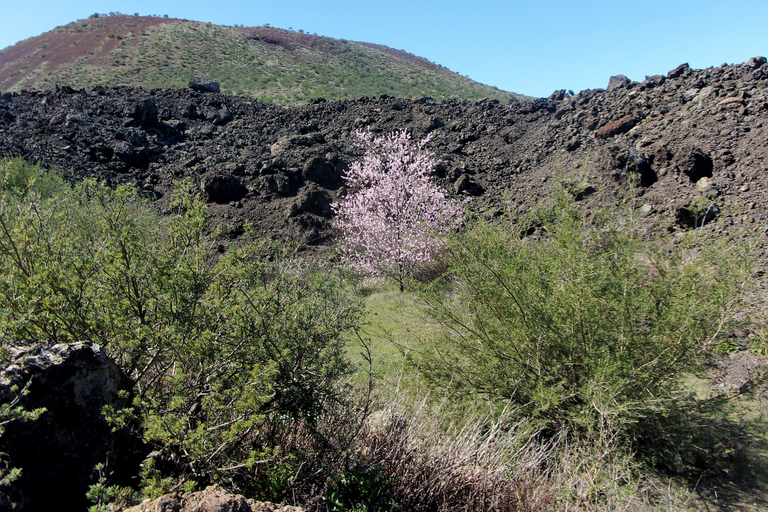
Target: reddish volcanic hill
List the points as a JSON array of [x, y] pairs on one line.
[[89, 42]]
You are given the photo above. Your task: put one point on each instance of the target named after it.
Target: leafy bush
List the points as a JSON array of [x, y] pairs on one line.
[[362, 489], [216, 346], [576, 324], [18, 179]]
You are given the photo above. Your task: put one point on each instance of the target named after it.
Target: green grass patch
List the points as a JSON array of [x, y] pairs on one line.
[[395, 326]]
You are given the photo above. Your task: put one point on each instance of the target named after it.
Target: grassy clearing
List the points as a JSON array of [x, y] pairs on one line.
[[394, 326]]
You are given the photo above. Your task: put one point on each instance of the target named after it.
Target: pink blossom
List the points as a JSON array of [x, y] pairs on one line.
[[395, 219]]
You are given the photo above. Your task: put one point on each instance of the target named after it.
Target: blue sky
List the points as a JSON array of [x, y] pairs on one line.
[[529, 47]]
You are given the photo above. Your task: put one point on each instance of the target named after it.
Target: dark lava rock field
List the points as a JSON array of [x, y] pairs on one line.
[[694, 141]]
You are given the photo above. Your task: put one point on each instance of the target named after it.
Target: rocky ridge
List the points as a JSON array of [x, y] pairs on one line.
[[693, 140]]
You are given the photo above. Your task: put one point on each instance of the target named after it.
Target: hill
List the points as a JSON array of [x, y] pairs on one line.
[[270, 64]]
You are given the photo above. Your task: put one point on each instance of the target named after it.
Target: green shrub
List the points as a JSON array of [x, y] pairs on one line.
[[18, 179], [577, 324], [361, 489], [217, 346]]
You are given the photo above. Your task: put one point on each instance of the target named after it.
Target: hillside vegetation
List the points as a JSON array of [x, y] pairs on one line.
[[270, 64]]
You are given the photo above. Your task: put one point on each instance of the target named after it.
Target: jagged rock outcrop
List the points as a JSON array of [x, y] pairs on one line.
[[256, 162], [212, 499], [58, 451]]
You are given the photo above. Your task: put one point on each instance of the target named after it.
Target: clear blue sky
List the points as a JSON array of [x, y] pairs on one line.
[[530, 47]]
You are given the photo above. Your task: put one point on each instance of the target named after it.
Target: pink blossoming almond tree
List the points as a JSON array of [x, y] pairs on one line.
[[395, 218]]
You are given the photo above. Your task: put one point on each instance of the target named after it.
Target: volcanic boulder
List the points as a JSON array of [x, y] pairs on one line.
[[222, 188], [203, 85], [145, 113], [57, 452]]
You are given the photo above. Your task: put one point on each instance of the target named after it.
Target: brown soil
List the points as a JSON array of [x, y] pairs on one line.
[[88, 41]]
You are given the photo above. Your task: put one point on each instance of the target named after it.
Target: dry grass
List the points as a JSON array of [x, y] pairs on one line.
[[487, 464], [418, 456]]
